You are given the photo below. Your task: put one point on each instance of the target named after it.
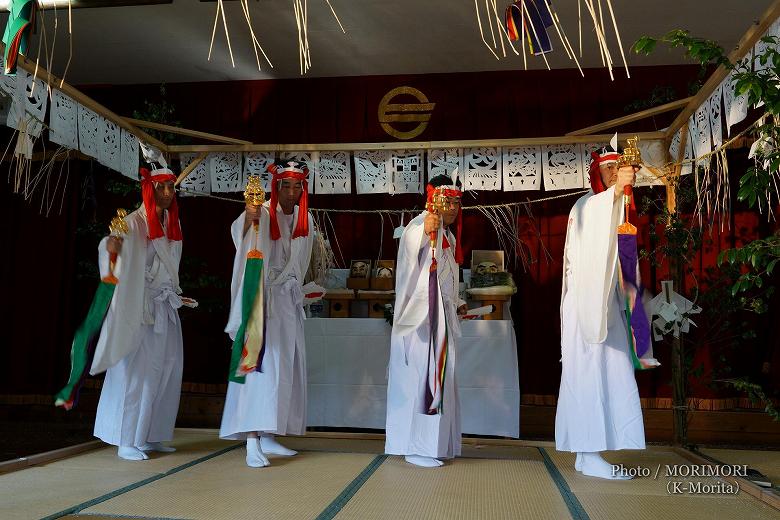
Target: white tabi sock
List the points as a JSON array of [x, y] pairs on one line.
[[255, 458], [270, 445], [157, 446], [578, 462], [424, 462], [131, 453], [595, 466]]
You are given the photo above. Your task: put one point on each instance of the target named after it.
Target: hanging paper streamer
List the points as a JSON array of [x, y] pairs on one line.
[[63, 120], [735, 107], [334, 174], [129, 150], [199, 179], [89, 127], [444, 161], [226, 172], [562, 166], [109, 151], [21, 20], [522, 168], [407, 168], [716, 126], [88, 333], [482, 169], [371, 172]]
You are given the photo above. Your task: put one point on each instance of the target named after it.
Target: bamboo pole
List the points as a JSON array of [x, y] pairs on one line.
[[746, 43], [184, 131], [660, 109], [88, 102], [414, 145], [190, 167]]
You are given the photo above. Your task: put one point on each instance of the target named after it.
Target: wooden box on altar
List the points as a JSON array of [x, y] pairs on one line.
[[338, 302], [383, 276], [376, 301]]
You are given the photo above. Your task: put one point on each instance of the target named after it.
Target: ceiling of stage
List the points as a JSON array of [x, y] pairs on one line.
[[170, 42]]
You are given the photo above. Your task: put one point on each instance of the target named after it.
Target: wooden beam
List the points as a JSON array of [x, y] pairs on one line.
[[746, 43], [54, 81], [195, 162], [184, 131], [414, 145], [660, 109]]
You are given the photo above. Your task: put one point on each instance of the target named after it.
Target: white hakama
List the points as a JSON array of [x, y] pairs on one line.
[[272, 400], [410, 430], [598, 403]]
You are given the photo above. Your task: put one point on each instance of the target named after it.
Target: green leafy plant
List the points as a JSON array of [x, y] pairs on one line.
[[751, 265]]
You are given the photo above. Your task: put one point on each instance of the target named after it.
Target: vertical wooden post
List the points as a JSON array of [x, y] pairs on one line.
[[677, 272]]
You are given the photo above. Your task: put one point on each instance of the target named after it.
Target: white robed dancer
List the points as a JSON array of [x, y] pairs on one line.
[[423, 411], [140, 343], [598, 402], [272, 400]]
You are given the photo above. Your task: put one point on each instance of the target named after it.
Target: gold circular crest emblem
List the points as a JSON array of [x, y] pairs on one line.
[[419, 113]]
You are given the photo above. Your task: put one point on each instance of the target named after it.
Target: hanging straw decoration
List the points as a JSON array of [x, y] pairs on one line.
[[220, 10], [255, 44]]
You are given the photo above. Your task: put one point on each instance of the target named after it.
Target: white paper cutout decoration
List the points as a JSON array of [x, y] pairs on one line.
[[129, 154], [256, 163], [36, 95], [226, 172], [701, 137], [734, 107], [89, 127], [716, 126], [443, 161], [522, 167], [371, 172], [334, 174], [63, 120], [109, 145], [562, 166], [199, 179], [482, 169], [407, 169], [310, 159]]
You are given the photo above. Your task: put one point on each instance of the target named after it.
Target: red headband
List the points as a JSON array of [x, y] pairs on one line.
[[450, 191], [302, 226], [147, 192]]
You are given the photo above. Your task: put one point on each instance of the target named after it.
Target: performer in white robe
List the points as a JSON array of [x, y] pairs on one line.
[[272, 400], [140, 344], [598, 402], [416, 427]]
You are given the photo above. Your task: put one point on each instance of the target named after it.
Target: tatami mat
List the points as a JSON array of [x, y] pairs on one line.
[[344, 477], [653, 459], [468, 489], [604, 506], [224, 487], [377, 446], [47, 489], [767, 462]]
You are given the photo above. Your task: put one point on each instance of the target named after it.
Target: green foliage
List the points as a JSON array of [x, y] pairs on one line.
[[706, 52], [748, 270], [658, 96], [755, 393], [161, 111]]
